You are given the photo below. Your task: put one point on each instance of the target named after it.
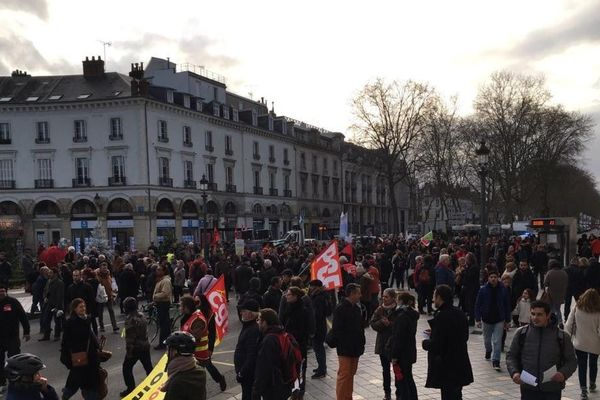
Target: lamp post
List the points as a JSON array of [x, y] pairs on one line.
[[483, 153], [203, 188]]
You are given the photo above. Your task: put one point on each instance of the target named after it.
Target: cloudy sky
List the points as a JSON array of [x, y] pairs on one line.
[[311, 57]]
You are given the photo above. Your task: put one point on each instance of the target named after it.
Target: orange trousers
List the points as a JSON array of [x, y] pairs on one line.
[[345, 377]]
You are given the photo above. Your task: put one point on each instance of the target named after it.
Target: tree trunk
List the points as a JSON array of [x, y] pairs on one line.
[[394, 205]]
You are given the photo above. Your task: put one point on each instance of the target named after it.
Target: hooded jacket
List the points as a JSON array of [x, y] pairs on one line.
[[402, 344]]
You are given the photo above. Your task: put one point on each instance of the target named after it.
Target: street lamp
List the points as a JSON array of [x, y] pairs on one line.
[[483, 153], [203, 188]]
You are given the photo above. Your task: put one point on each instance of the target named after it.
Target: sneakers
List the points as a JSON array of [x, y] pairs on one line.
[[318, 375], [488, 355], [592, 388], [584, 395], [496, 365], [223, 384]]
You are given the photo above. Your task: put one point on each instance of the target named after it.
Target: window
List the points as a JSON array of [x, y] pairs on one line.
[[163, 167], [314, 163], [215, 93], [325, 187], [208, 139], [187, 135], [315, 185], [44, 168], [335, 167], [4, 133], [188, 170], [235, 116], [42, 132], [116, 128], [80, 131], [255, 150], [6, 172], [272, 180], [271, 153], [226, 112], [286, 182], [169, 96], [210, 172], [84, 96], [163, 135], [325, 166], [216, 108], [303, 185], [118, 167], [32, 98], [82, 169], [256, 178], [335, 189], [228, 145], [229, 175], [302, 161], [55, 97], [186, 101], [285, 156]]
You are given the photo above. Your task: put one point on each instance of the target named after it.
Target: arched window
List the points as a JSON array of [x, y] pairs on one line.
[[119, 206], [257, 209], [83, 207], [165, 206], [46, 207], [212, 207], [230, 208], [189, 208]]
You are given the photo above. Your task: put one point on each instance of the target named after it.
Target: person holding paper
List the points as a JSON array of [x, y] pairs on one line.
[[541, 356]]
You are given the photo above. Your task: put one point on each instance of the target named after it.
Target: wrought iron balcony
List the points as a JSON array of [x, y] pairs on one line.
[[230, 188], [287, 193], [212, 186], [44, 183], [188, 143], [163, 138], [82, 181], [228, 152], [209, 148], [115, 137], [189, 184], [165, 181], [7, 184], [5, 141], [271, 159], [117, 181], [256, 156], [258, 190], [273, 192], [42, 140], [79, 139]]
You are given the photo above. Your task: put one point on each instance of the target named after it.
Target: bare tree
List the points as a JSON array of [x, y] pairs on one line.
[[390, 117]]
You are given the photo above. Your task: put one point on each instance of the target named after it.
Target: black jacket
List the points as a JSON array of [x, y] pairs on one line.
[[265, 278], [78, 337], [521, 281], [243, 273], [84, 291], [187, 385], [11, 314], [268, 380], [448, 363], [321, 306], [402, 345], [128, 284], [246, 349], [295, 321], [347, 331], [272, 298]]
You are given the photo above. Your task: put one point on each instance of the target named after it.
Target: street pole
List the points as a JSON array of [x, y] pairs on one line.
[[484, 230], [204, 197]]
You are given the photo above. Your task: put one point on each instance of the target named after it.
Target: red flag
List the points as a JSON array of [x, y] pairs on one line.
[[218, 304], [326, 267], [216, 237], [348, 251]]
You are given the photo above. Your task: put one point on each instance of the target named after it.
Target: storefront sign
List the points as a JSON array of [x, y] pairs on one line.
[[84, 224], [119, 223], [190, 223], [165, 223]]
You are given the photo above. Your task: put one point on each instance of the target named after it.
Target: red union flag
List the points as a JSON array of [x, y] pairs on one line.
[[326, 267], [218, 303]]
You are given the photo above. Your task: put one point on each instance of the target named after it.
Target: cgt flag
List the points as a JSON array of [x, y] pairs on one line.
[[425, 240], [218, 304], [326, 267]]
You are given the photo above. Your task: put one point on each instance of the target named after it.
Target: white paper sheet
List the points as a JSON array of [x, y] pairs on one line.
[[549, 373], [528, 378]]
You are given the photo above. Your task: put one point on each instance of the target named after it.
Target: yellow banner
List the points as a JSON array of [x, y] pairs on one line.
[[149, 389]]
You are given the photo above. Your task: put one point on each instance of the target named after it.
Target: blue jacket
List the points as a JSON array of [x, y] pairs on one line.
[[483, 304], [444, 276]]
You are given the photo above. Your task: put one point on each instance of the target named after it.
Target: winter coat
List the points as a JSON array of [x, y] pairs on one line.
[[187, 385], [11, 314], [321, 304], [576, 281], [484, 306], [295, 320], [384, 332], [592, 275], [179, 277], [31, 392], [272, 298], [521, 281], [268, 379], [555, 282], [307, 302], [136, 334], [402, 344], [163, 291], [78, 337], [83, 291], [243, 273], [54, 293], [347, 332], [540, 350], [265, 278], [448, 363], [523, 311], [246, 350], [444, 276], [128, 284], [584, 329]]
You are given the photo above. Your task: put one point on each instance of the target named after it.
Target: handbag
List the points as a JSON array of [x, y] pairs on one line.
[[80, 359], [102, 385]]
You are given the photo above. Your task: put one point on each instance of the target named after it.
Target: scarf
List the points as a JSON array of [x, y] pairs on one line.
[[390, 307], [176, 365]]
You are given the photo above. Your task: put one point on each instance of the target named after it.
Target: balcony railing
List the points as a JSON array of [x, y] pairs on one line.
[[163, 138], [286, 162], [44, 183], [256, 156], [117, 181], [5, 141], [188, 143], [273, 192], [79, 139], [230, 188], [189, 184], [165, 181], [315, 195], [271, 159], [229, 152], [7, 184], [115, 137], [212, 186], [82, 181], [287, 193], [258, 190], [209, 148], [42, 140]]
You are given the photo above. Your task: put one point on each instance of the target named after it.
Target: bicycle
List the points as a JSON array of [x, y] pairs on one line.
[[152, 316]]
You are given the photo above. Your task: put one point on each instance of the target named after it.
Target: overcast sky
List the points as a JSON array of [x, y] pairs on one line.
[[311, 57]]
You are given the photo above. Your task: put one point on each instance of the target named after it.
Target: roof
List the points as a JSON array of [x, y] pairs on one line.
[[25, 89]]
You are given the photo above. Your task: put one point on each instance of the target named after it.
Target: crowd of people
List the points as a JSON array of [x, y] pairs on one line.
[[387, 286]]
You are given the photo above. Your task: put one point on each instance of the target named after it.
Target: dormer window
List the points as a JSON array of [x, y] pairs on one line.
[[216, 109], [5, 99], [254, 118], [33, 98], [225, 112], [55, 97], [169, 96], [186, 101], [235, 116], [84, 96], [118, 92], [199, 105]]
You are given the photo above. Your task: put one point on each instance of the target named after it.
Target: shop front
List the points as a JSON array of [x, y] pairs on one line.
[[120, 232]]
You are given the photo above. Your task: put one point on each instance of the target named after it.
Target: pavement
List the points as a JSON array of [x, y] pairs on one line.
[[489, 384]]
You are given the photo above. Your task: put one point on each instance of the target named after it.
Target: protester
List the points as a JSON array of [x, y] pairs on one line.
[[137, 347], [272, 297], [583, 325], [186, 380], [448, 364], [25, 380], [163, 292], [11, 315], [106, 281], [555, 286], [424, 282], [323, 308], [382, 322], [246, 349], [539, 347], [54, 294]]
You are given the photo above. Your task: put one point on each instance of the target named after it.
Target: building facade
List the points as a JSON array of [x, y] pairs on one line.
[[125, 154]]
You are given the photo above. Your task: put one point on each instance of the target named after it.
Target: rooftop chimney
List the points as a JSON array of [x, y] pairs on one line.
[[137, 71], [19, 73], [93, 69]]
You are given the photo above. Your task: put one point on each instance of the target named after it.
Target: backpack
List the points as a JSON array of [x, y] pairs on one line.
[[424, 276], [560, 337], [291, 357]]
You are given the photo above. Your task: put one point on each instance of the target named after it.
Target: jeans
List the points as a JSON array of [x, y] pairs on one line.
[[406, 389], [344, 385], [164, 322], [451, 393], [492, 338], [111, 313], [425, 294], [129, 362], [319, 348], [87, 394], [46, 322], [536, 395], [7, 349], [582, 364]]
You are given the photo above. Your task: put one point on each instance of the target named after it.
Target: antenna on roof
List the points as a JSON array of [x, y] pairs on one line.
[[104, 45]]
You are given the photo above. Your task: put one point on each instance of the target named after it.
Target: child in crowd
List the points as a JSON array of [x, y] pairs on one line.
[[523, 308]]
